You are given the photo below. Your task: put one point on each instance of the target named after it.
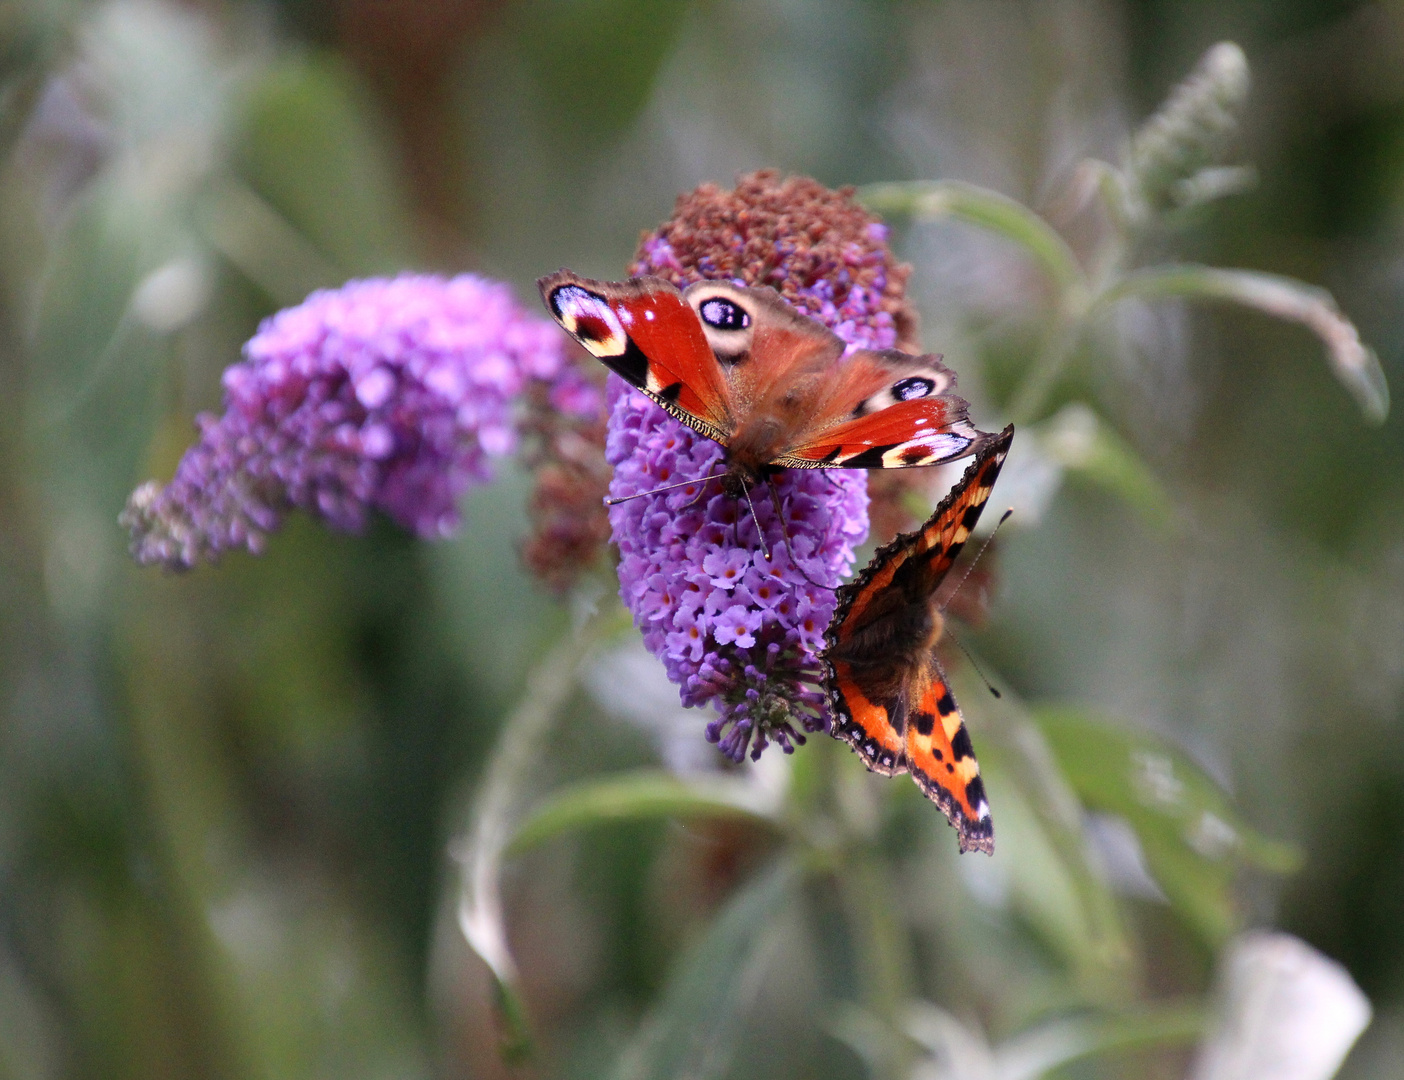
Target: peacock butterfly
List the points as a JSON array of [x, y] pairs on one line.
[[887, 692], [742, 367]]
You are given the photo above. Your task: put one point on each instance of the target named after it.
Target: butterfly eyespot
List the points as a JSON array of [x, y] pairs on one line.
[[724, 315], [589, 317], [912, 388]]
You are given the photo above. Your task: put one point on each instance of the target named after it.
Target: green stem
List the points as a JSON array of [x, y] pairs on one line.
[[186, 798], [1037, 1052], [1043, 374], [883, 949], [480, 913]]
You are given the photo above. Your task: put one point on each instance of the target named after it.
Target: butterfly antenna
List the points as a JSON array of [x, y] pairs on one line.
[[973, 663], [971, 566], [611, 501], [988, 685], [785, 536], [760, 533]]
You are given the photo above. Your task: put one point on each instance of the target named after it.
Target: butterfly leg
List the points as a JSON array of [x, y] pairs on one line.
[[760, 533], [785, 536], [612, 501]]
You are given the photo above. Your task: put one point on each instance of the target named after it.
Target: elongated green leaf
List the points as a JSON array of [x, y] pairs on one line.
[[928, 200], [311, 151], [1040, 862], [961, 1049], [1037, 1051], [1192, 837], [263, 244], [1078, 441], [645, 794], [1070, 910], [1354, 362], [692, 1029]]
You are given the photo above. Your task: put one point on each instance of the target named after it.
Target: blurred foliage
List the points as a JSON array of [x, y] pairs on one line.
[[247, 814]]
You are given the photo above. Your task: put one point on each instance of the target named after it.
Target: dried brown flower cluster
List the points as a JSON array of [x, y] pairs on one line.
[[569, 525]]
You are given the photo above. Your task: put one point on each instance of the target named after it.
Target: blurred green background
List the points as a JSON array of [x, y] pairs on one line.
[[228, 799]]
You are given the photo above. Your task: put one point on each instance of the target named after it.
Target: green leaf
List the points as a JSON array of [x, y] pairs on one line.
[[644, 794], [263, 244], [311, 151], [1354, 362], [693, 1028], [1040, 863], [1036, 1051], [563, 43], [1071, 910], [960, 1048], [1192, 838], [1077, 440], [929, 200]]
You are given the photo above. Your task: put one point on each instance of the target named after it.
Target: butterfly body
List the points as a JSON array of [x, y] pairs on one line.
[[773, 387], [888, 695]]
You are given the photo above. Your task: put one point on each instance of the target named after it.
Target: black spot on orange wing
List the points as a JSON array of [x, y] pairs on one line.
[[954, 786]]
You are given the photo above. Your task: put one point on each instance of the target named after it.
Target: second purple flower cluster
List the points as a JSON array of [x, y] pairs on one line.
[[390, 395]]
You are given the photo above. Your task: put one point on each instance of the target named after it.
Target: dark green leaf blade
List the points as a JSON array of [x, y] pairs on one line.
[[1192, 838], [693, 1027]]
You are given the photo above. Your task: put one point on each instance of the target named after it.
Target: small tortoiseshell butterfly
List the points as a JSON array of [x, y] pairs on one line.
[[887, 692], [745, 369]]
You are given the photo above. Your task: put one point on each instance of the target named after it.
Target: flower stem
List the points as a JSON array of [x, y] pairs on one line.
[[883, 949], [1058, 344], [480, 913]]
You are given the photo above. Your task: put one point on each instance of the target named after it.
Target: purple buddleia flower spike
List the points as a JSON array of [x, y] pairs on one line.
[[388, 395], [733, 628]]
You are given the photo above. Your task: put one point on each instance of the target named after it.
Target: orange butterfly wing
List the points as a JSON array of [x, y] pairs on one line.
[[889, 699], [941, 759], [864, 724]]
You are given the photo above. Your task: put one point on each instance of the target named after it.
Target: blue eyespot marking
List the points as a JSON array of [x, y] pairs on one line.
[[912, 388], [724, 315]]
